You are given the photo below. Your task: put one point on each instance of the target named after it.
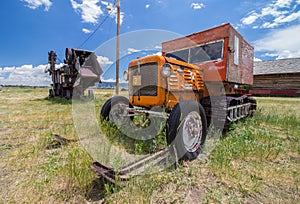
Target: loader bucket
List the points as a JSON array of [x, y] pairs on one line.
[[89, 69]]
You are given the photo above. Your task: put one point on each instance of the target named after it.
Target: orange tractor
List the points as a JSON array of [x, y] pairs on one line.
[[191, 86]]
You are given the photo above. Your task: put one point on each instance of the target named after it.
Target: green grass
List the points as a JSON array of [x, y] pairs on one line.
[[260, 156], [258, 160], [131, 145]]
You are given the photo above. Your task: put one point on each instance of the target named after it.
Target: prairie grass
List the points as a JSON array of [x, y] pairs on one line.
[[260, 156], [131, 145], [33, 167], [257, 161]]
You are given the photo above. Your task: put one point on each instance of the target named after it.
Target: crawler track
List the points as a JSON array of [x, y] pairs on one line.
[[222, 110]]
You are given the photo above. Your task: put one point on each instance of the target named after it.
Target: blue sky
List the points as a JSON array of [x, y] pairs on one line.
[[30, 28]]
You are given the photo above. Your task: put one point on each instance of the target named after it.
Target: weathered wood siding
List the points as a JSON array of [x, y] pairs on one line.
[[276, 85], [277, 81]]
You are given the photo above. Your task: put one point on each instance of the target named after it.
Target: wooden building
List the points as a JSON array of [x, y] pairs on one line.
[[277, 77]]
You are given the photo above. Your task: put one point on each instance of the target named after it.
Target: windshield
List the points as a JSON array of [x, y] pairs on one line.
[[208, 52]]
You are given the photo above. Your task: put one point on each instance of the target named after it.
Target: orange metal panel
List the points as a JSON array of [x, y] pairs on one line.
[[150, 101]]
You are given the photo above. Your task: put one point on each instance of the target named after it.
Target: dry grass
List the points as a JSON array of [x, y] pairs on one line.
[[33, 169], [258, 160]]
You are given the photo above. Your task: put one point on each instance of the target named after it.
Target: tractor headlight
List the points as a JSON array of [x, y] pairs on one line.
[[126, 75], [166, 70]]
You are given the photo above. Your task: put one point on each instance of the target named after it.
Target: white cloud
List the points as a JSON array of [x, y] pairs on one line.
[[158, 53], [25, 75], [132, 50], [281, 43], [270, 55], [147, 6], [257, 59], [269, 25], [108, 80], [272, 11], [33, 4], [88, 9], [283, 3], [273, 15], [85, 30], [104, 62], [197, 6], [105, 3], [281, 20], [158, 47], [250, 19], [289, 18]]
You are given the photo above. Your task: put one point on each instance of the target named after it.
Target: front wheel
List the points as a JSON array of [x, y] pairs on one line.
[[115, 110], [187, 128]]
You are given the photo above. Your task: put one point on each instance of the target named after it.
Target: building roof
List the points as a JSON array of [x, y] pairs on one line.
[[282, 66]]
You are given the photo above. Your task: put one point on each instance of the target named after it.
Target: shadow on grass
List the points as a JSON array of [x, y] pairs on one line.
[[93, 192], [99, 189], [55, 141]]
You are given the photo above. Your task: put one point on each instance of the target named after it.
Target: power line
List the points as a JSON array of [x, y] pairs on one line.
[[91, 35], [100, 24]]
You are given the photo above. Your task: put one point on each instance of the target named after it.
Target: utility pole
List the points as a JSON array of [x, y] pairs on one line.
[[118, 46]]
